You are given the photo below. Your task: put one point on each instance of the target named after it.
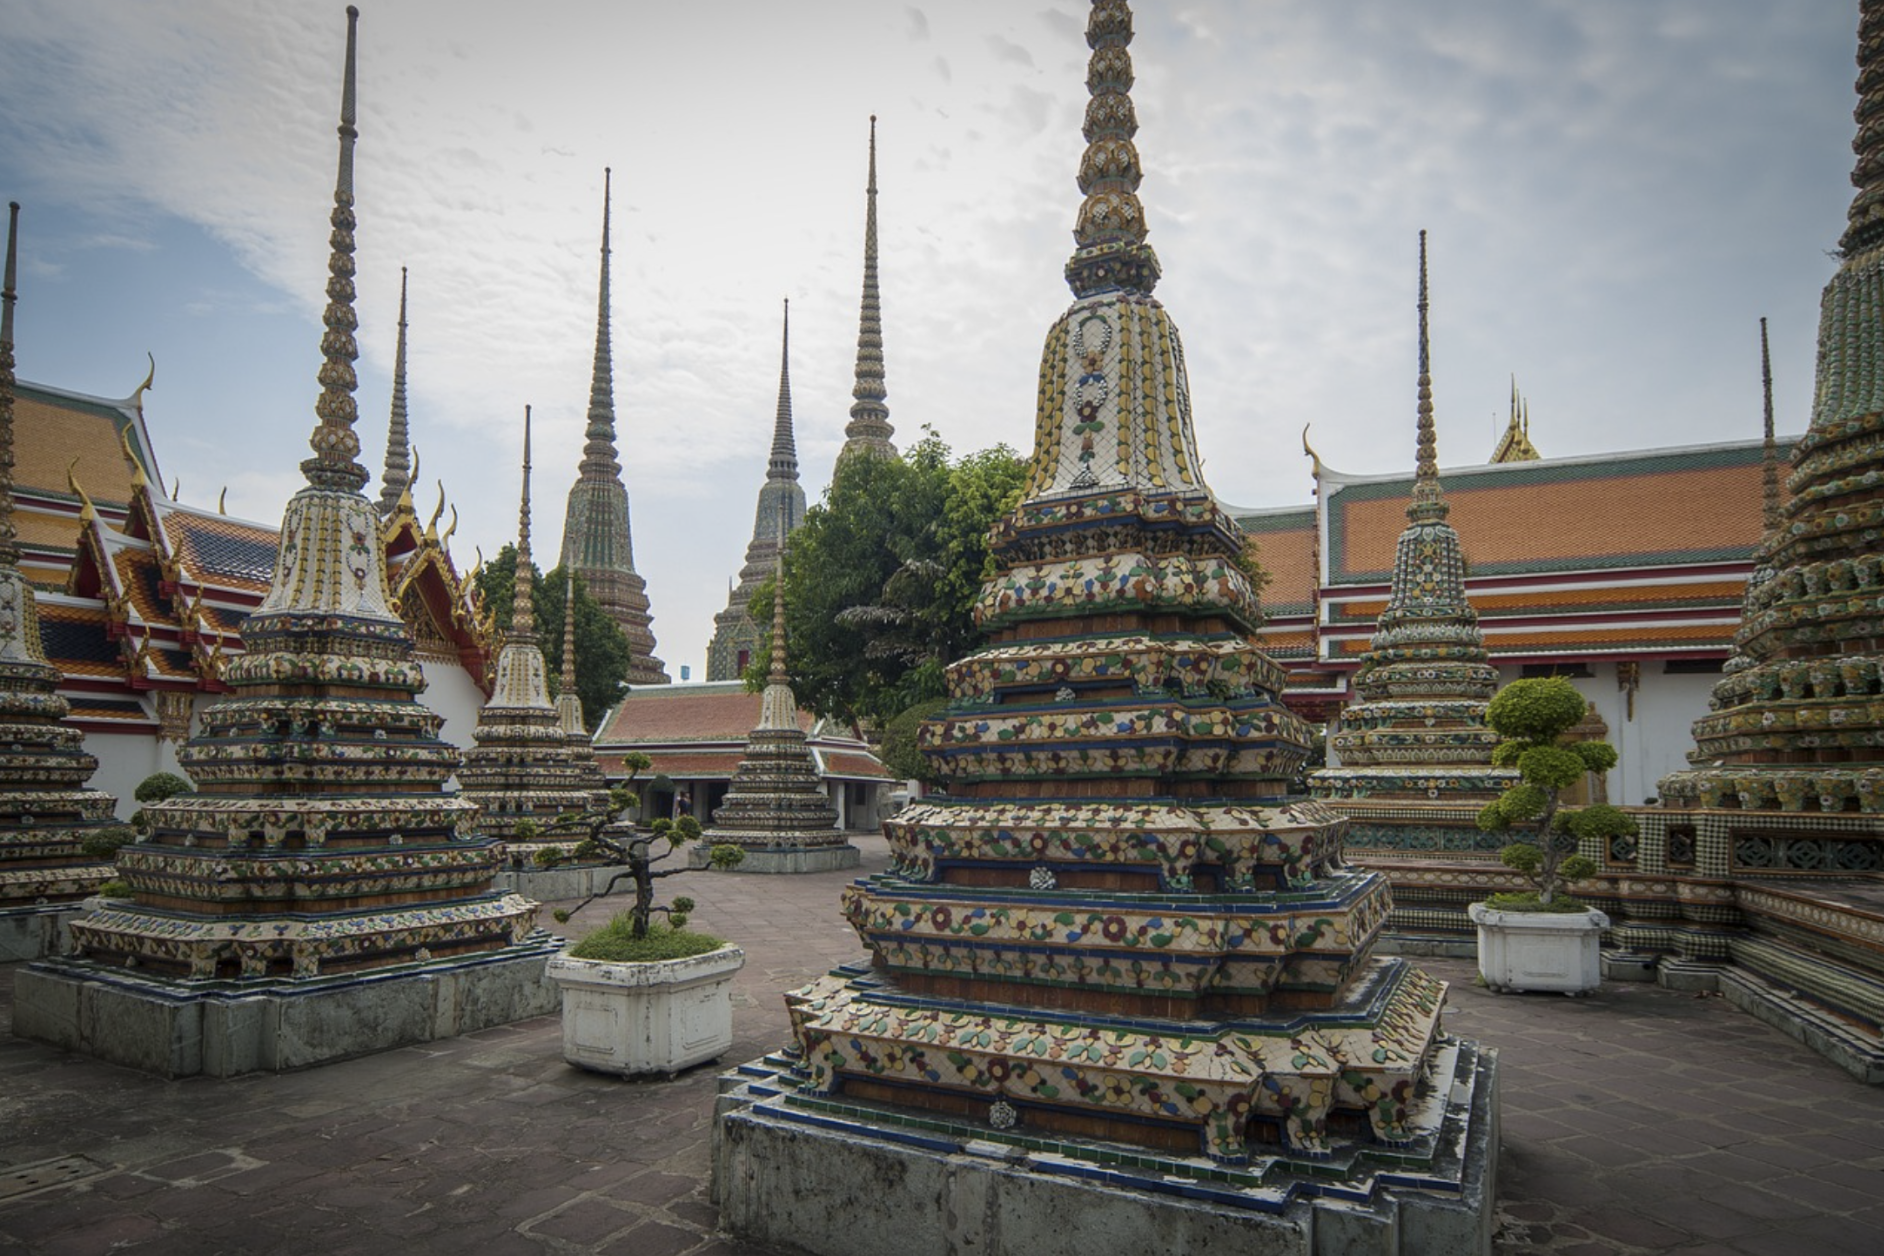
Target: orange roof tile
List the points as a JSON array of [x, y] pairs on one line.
[[50, 430], [678, 765], [1575, 599], [138, 575], [1285, 546], [76, 642], [1651, 508], [659, 714], [221, 551]]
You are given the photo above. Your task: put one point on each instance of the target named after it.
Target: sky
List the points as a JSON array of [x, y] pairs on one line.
[[1616, 191]]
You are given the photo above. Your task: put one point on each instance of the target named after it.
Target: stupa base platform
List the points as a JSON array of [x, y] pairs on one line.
[[821, 858], [796, 1170], [227, 1028], [35, 930], [555, 885]]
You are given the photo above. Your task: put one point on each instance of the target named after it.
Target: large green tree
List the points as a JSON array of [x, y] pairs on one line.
[[881, 579], [602, 653]]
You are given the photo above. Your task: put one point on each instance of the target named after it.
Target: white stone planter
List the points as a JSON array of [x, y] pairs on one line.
[[1537, 950], [657, 1017]]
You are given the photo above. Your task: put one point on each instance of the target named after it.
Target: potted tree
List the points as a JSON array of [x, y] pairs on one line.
[[1543, 939], [644, 994]]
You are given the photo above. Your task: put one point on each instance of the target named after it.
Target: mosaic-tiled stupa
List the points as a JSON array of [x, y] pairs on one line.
[[1415, 750], [521, 766], [1795, 724], [45, 810], [1778, 827], [1115, 949], [320, 895], [776, 809], [736, 639], [597, 540], [869, 429]]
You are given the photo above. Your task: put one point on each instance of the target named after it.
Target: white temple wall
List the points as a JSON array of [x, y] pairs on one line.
[[1655, 740], [450, 692], [124, 760]]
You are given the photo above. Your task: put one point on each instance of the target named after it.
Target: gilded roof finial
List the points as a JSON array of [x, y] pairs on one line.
[[393, 481], [87, 511], [869, 427], [138, 478], [522, 608], [784, 461], [1112, 254], [1313, 457], [222, 501], [150, 377], [1769, 458], [1429, 502], [9, 536], [336, 445]]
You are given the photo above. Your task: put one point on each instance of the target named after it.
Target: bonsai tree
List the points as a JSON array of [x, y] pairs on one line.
[[157, 787], [636, 849], [1530, 717]]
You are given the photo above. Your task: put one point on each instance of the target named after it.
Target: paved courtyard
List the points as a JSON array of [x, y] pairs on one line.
[[1636, 1120]]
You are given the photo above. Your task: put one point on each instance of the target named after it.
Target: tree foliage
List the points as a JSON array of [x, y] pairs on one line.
[[882, 577], [1530, 716], [602, 653]]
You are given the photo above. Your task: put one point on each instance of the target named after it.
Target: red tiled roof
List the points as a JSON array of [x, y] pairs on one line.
[[1285, 546], [678, 765]]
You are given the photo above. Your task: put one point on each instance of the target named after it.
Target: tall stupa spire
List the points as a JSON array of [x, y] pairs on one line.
[[597, 539], [1111, 253], [869, 427], [397, 476], [9, 535], [1429, 502], [336, 445], [568, 701], [781, 508], [522, 607], [1769, 457], [784, 461]]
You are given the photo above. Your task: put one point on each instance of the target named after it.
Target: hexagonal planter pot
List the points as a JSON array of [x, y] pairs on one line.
[[657, 1017], [1539, 950]]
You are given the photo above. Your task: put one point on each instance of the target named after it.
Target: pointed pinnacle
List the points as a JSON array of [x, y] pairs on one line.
[[784, 461]]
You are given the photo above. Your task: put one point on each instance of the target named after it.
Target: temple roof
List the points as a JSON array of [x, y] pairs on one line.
[[700, 731]]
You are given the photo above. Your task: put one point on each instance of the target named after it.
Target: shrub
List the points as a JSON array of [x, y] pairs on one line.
[[103, 844], [161, 785], [616, 942], [1530, 716]]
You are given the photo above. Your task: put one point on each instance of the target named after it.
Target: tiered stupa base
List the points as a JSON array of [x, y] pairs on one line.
[[1000, 1166]]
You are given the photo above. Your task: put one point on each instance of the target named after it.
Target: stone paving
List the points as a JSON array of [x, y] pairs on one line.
[[1621, 1132]]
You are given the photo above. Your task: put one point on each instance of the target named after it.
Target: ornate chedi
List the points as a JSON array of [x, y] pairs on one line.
[[1116, 943], [1415, 751], [596, 538], [736, 639], [45, 810], [1778, 827], [522, 766], [776, 809], [869, 429], [321, 895]]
